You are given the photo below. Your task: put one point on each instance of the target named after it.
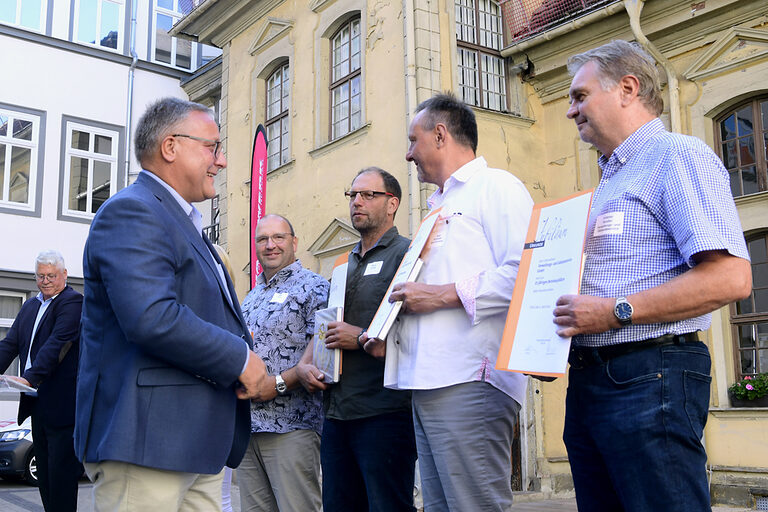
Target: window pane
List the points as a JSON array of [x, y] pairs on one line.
[[30, 14], [101, 181], [103, 144], [165, 4], [757, 251], [183, 53], [745, 124], [730, 159], [355, 43], [22, 129], [744, 307], [749, 180], [764, 113], [2, 169], [761, 300], [747, 150], [19, 180], [86, 22], [80, 140], [162, 39], [747, 362], [284, 156], [728, 128], [9, 307], [760, 275], [3, 123], [78, 184], [110, 24], [8, 11], [735, 183]]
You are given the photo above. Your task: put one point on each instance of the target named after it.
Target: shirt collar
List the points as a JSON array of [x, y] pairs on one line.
[[630, 146], [193, 213], [43, 301], [383, 241], [461, 175], [282, 275]]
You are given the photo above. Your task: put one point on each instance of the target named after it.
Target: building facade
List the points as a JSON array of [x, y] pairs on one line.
[[70, 97], [336, 82]]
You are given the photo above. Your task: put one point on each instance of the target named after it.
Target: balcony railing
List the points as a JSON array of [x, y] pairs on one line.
[[526, 18]]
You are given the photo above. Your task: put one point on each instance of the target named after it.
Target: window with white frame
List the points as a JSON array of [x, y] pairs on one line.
[[100, 23], [180, 53], [278, 92], [10, 305], [90, 168], [479, 39], [19, 140], [24, 13], [346, 112]]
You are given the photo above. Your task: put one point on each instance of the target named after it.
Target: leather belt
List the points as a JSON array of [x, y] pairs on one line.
[[587, 356]]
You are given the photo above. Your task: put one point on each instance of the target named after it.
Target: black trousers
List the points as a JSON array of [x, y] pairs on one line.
[[58, 469]]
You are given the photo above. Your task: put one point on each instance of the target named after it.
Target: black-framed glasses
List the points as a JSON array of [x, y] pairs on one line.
[[215, 143], [278, 238], [365, 194], [43, 277]]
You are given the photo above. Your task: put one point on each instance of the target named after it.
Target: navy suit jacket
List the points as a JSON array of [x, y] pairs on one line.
[[54, 357], [161, 347]]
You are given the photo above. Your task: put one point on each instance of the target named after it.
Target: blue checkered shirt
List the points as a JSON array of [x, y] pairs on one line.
[[676, 199]]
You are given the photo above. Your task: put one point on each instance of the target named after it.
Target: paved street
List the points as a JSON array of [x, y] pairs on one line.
[[16, 497]]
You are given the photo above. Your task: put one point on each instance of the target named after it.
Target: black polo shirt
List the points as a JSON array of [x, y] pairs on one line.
[[360, 392]]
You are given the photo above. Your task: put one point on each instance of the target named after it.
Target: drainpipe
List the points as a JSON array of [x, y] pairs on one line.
[[409, 59], [634, 8], [129, 99]]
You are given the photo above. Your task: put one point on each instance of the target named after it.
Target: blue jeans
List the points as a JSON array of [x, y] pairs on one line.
[[368, 464], [633, 429]]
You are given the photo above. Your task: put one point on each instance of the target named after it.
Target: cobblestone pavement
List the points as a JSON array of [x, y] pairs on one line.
[[16, 497]]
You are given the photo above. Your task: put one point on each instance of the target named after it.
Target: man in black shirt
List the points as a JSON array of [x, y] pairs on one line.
[[367, 450]]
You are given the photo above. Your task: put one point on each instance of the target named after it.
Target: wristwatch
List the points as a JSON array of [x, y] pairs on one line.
[[280, 386], [623, 311]]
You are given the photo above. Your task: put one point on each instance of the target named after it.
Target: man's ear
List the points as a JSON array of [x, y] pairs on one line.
[[392, 205], [169, 148], [441, 134], [629, 88]]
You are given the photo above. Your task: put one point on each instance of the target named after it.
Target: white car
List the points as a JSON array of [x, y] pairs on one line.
[[17, 459]]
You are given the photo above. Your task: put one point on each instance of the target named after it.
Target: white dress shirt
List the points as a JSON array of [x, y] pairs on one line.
[[40, 312], [483, 224]]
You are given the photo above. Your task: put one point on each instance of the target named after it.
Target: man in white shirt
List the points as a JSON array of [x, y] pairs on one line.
[[445, 347]]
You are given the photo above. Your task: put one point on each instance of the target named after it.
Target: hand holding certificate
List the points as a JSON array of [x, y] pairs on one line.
[[550, 267]]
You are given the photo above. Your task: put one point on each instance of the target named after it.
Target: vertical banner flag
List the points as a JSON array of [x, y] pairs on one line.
[[258, 193]]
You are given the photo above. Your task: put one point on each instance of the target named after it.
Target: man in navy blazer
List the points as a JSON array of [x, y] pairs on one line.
[[45, 335], [166, 361]]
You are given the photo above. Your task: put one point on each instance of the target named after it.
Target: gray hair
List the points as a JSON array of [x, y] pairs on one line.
[[159, 121], [620, 58], [50, 257]]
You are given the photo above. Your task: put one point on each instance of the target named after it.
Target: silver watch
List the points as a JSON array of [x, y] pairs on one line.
[[280, 386]]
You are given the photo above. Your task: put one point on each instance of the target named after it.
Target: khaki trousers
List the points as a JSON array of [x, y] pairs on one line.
[[124, 487]]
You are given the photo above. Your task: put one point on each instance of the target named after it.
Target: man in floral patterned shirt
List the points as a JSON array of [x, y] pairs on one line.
[[281, 467]]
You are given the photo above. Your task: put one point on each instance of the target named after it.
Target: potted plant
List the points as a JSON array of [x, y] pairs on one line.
[[751, 391]]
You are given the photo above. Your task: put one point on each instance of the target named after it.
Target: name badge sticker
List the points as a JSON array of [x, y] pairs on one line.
[[611, 223], [279, 297], [373, 268]]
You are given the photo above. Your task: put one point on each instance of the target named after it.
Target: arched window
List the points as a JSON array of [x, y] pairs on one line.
[[749, 317], [742, 142], [345, 79], [479, 39], [278, 95]]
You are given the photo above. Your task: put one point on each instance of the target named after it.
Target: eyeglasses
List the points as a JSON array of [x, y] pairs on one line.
[[209, 142], [43, 277], [277, 238], [365, 194]]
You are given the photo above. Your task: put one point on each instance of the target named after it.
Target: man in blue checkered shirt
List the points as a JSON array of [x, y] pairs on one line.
[[664, 249]]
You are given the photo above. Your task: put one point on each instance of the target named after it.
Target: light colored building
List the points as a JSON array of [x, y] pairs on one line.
[[71, 94], [336, 83]]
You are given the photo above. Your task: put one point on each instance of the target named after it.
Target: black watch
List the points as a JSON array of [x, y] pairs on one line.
[[623, 311]]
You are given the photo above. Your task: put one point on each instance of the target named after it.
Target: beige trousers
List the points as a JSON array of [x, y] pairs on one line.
[[124, 487]]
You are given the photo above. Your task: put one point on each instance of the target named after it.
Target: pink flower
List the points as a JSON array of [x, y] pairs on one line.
[[749, 387], [747, 378]]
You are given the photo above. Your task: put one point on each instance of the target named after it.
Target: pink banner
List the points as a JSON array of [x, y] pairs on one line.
[[258, 193]]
